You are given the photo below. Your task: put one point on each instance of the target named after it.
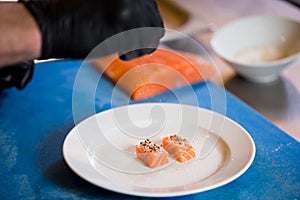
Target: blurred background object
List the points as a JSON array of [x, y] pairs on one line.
[[177, 18], [258, 47], [278, 101]]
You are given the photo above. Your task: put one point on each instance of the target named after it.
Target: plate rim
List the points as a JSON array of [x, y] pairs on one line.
[[125, 191]]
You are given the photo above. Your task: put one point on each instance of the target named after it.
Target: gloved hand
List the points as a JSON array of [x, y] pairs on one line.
[[71, 29], [16, 75]]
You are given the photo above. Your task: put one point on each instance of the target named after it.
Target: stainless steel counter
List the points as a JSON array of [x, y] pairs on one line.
[[278, 101]]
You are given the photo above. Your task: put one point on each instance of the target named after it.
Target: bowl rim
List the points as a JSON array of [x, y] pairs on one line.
[[281, 61]]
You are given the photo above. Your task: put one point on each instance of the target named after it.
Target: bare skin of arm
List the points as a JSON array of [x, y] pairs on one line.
[[20, 37]]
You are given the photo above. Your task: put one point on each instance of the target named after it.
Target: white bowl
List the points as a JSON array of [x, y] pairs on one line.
[[258, 47]]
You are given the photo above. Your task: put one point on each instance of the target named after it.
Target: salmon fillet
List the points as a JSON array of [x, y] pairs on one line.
[[152, 74], [151, 154], [179, 148]]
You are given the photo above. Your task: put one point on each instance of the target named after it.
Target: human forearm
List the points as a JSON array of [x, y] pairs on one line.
[[20, 37], [39, 29]]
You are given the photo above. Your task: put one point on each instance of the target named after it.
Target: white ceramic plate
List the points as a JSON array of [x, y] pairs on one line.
[[101, 148]]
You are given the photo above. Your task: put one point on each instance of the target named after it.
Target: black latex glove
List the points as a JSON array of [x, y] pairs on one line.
[[16, 75], [71, 29]]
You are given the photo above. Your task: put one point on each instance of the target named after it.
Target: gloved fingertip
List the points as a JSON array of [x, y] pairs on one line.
[[148, 51], [27, 76], [135, 54], [130, 55], [17, 75]]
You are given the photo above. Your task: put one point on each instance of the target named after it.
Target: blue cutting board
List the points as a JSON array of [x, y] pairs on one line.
[[35, 121]]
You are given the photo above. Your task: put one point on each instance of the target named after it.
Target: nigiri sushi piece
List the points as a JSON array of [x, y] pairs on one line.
[[151, 154], [179, 148]]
